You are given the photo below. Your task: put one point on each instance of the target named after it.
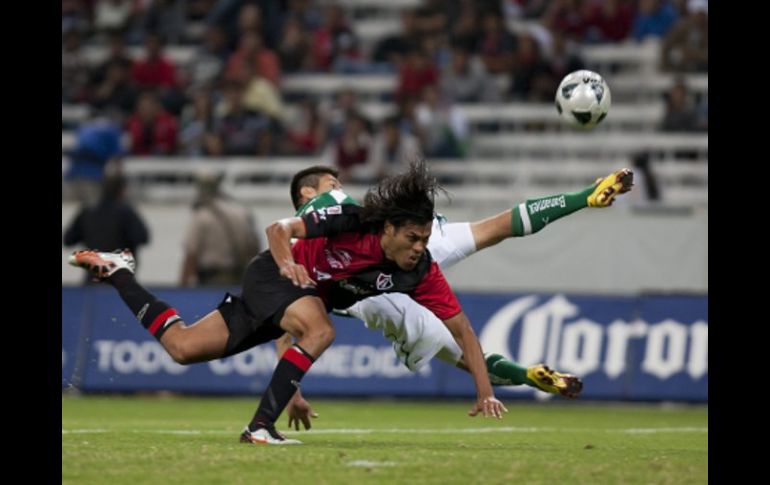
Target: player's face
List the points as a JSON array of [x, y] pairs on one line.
[[328, 182], [404, 245]]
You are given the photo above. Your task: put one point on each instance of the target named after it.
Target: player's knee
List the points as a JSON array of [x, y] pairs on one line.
[[323, 334]]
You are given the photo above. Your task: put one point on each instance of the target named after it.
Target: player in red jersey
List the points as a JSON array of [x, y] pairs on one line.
[[345, 253]]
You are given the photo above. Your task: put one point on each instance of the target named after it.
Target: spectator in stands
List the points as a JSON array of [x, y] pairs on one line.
[[346, 102], [294, 47], [239, 131], [115, 92], [407, 116], [564, 59], [309, 135], [262, 17], [432, 17], [166, 17], [196, 136], [261, 95], [309, 12], [466, 80], [681, 114], [654, 19], [352, 146], [74, 16], [496, 45], [565, 16], [155, 70], [438, 51], [348, 58], [252, 54], [389, 53], [158, 73], [221, 237], [112, 224], [417, 73], [390, 153], [530, 77], [152, 129], [112, 16], [117, 56], [98, 145], [686, 46], [442, 126], [74, 70], [608, 21], [210, 59], [333, 37], [465, 31]]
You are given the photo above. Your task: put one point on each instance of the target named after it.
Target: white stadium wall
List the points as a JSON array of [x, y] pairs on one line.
[[615, 251]]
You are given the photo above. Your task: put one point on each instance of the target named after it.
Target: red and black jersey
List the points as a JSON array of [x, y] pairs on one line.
[[343, 255]]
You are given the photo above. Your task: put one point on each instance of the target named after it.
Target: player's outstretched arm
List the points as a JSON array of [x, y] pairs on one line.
[[279, 235], [486, 403]]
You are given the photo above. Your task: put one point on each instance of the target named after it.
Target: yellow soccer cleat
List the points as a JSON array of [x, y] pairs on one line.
[[609, 187], [548, 380]]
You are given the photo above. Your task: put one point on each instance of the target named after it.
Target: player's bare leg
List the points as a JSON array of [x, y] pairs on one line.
[[204, 340], [306, 320]]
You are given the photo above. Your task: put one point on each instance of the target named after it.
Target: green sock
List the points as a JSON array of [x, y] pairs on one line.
[[531, 216], [504, 372]]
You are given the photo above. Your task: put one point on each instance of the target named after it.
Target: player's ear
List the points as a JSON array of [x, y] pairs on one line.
[[389, 229], [308, 193]]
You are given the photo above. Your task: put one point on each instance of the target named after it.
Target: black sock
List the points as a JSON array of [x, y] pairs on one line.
[[294, 363], [154, 315]]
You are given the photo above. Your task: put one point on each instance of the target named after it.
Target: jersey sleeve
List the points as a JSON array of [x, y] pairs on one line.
[[434, 293], [333, 220]]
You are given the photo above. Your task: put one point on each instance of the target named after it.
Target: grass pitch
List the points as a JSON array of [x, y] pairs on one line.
[[131, 440]]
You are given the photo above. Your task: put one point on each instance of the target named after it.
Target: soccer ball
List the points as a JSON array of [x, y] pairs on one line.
[[583, 99]]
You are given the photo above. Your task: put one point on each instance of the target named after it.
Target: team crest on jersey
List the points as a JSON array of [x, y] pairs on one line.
[[334, 210], [384, 281]]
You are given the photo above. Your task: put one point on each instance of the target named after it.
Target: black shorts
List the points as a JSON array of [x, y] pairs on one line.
[[255, 316]]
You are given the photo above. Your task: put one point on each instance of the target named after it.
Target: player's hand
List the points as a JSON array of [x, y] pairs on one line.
[[488, 406], [297, 274], [298, 410]]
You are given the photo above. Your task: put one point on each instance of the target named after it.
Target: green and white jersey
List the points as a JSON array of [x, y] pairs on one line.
[[337, 197], [327, 199]]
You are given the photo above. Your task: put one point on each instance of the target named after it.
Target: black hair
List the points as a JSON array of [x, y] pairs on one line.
[[308, 177], [403, 198]]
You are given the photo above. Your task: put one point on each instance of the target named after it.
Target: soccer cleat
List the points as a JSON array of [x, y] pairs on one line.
[[266, 436], [103, 265], [609, 187], [548, 380]]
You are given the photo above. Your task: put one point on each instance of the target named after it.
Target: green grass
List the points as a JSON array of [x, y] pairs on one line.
[[120, 440]]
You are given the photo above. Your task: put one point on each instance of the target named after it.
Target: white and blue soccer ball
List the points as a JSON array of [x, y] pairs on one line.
[[583, 99]]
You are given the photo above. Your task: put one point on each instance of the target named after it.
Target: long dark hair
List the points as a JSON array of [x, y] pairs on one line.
[[403, 198]]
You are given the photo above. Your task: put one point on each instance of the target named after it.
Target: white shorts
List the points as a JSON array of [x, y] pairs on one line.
[[450, 243], [416, 333]]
